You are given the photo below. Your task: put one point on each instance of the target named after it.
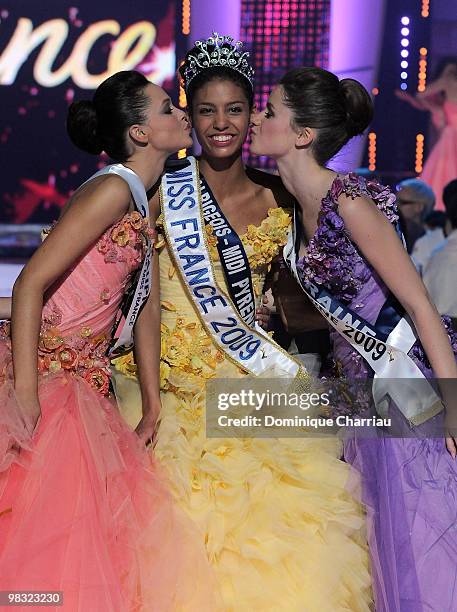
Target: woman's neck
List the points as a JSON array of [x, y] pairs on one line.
[[149, 170], [225, 176], [305, 180]]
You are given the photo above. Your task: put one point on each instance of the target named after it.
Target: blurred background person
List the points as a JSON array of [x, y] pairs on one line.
[[440, 275], [440, 98], [435, 228], [415, 201]]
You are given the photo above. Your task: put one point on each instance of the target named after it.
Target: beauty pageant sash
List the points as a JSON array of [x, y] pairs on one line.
[[232, 256], [139, 292], [387, 355], [250, 348]]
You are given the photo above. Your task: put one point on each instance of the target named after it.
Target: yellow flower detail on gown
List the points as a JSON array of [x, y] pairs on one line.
[[280, 528]]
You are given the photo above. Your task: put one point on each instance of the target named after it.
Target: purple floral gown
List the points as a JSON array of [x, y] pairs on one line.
[[409, 484]]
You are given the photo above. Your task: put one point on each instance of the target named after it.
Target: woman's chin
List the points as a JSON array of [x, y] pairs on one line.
[[255, 147]]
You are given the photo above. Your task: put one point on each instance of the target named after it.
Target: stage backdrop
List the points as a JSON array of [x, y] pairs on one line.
[[54, 52], [283, 34]]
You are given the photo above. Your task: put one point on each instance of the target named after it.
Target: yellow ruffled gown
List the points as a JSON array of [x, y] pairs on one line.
[[279, 525]]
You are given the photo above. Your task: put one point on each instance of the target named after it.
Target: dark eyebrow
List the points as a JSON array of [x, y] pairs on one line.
[[270, 105], [166, 102], [228, 103]]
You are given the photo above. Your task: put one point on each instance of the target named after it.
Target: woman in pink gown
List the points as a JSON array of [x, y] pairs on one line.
[[440, 97], [83, 508]]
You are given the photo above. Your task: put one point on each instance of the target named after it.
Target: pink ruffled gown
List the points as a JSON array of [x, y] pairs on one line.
[[441, 164], [83, 507]]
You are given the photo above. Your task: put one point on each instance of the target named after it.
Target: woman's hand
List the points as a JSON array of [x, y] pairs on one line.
[[30, 411], [265, 309], [147, 427], [451, 445], [448, 389]]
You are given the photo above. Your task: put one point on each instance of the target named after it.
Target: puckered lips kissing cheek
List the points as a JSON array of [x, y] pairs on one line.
[[254, 140]]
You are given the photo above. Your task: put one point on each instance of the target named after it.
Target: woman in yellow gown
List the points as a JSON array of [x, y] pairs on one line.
[[280, 527]]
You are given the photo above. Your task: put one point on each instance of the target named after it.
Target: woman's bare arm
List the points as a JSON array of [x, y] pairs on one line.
[[147, 345], [421, 104], [93, 209], [147, 357], [379, 243], [5, 308], [439, 86]]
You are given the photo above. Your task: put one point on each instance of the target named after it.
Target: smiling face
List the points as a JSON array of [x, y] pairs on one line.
[[167, 127], [273, 133], [220, 117]]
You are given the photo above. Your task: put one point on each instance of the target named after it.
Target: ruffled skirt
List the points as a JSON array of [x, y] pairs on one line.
[[85, 510], [280, 528], [409, 487], [441, 165]]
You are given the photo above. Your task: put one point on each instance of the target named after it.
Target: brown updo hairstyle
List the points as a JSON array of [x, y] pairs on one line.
[[101, 124], [338, 109]]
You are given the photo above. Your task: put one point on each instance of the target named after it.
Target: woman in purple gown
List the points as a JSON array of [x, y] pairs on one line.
[[349, 258]]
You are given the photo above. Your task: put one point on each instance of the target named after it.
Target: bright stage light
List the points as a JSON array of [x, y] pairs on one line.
[[419, 153], [186, 17], [405, 21], [372, 151], [422, 76], [425, 12], [404, 53]]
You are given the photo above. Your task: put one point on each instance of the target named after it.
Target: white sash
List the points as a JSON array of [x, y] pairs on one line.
[[249, 348], [125, 340], [413, 394]]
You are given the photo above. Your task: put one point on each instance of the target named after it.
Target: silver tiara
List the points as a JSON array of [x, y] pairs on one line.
[[216, 52]]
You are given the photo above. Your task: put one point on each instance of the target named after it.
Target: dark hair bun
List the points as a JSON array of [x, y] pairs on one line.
[[358, 105], [82, 126], [338, 109]]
